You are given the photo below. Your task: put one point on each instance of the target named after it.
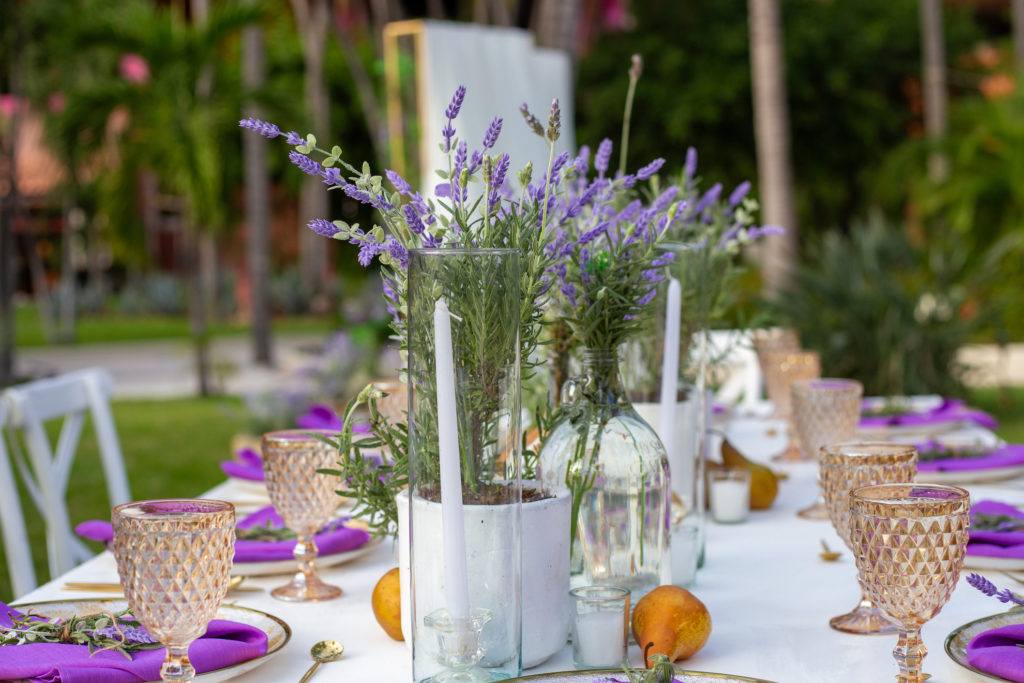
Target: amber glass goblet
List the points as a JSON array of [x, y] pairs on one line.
[[825, 411], [174, 558], [780, 370], [775, 339], [909, 540], [848, 466], [305, 500]]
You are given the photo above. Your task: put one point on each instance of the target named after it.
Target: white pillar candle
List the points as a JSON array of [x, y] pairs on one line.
[[670, 368], [602, 639], [456, 582], [730, 496]]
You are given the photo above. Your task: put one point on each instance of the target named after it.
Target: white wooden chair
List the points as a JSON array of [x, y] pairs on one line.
[[12, 523], [46, 470]]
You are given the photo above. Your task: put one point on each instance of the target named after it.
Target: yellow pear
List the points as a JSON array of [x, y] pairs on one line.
[[763, 484]]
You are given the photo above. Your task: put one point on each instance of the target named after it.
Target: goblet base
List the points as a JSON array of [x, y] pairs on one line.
[[306, 590], [815, 511], [864, 620]]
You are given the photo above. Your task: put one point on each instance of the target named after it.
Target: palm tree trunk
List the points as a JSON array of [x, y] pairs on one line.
[[197, 311], [1017, 9], [257, 204], [933, 47], [72, 223], [313, 18], [771, 128]]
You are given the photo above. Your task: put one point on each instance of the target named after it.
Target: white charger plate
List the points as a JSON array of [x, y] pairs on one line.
[[278, 632], [602, 676], [1007, 564], [971, 476], [290, 567]]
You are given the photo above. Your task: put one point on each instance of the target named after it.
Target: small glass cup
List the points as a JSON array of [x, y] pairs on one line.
[[305, 500], [685, 551], [600, 626], [174, 559], [730, 495]]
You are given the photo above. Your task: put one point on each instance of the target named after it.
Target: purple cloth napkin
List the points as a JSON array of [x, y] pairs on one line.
[[999, 652], [225, 643], [950, 410], [990, 543], [335, 538], [319, 416], [247, 465], [1004, 456]]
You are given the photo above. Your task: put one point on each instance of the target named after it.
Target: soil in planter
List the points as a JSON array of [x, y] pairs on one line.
[[489, 494]]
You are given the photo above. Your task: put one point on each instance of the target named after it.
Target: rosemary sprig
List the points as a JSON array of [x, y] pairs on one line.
[[661, 670], [940, 452], [100, 631]]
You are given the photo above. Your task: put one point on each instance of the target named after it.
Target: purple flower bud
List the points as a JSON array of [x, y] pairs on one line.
[[412, 219], [456, 104], [709, 198], [554, 122], [367, 250], [493, 131], [305, 164], [690, 167], [592, 234], [332, 176], [603, 157], [558, 163], [665, 198], [293, 139], [531, 120], [650, 169], [267, 130], [398, 252], [322, 227], [738, 194], [398, 182]]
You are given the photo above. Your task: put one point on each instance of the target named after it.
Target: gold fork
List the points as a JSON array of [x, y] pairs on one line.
[[105, 587]]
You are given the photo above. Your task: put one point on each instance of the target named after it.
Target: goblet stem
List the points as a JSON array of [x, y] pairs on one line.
[[177, 667], [305, 553], [909, 654], [306, 585]]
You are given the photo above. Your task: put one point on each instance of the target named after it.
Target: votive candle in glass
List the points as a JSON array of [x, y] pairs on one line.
[[599, 626], [730, 495]]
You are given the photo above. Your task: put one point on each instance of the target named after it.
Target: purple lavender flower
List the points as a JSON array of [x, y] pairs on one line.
[[582, 161], [709, 198], [554, 122], [128, 634], [264, 128], [293, 138], [390, 297], [412, 219], [397, 252], [592, 234], [323, 227], [988, 588], [493, 131], [665, 198], [305, 164], [738, 194], [650, 169], [569, 290], [450, 113], [603, 157], [398, 182], [531, 120], [332, 176], [443, 189], [765, 230], [690, 166], [558, 163]]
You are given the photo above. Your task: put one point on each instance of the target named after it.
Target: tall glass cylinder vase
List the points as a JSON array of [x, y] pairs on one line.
[[464, 464], [617, 471], [683, 429]]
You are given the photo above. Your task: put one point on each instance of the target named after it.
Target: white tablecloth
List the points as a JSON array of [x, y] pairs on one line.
[[769, 595]]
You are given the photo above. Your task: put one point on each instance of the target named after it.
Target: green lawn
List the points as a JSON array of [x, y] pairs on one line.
[[110, 327], [173, 447]]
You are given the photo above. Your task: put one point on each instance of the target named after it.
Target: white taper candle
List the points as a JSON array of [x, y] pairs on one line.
[[670, 368], [456, 581]]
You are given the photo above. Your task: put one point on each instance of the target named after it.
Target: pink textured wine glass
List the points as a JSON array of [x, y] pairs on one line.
[[305, 500], [825, 411], [909, 540], [174, 558]]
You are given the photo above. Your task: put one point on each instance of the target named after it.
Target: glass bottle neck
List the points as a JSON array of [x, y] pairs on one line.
[[602, 379]]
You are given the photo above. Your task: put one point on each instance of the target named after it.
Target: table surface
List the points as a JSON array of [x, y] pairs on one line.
[[769, 595]]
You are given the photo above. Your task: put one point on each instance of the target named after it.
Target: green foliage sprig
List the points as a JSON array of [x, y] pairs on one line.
[[101, 631]]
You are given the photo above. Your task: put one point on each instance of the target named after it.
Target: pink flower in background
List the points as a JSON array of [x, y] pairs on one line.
[[56, 102], [134, 68], [8, 104], [615, 15]]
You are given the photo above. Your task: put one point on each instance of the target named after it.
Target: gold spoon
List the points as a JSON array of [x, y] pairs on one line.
[[828, 554], [324, 651]]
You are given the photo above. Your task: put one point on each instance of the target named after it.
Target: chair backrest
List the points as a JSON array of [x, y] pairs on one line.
[[48, 469], [12, 523]]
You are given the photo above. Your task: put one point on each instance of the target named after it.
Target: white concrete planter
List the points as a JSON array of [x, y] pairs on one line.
[[545, 566]]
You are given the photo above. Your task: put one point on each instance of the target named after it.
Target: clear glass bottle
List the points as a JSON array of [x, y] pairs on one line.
[[617, 471]]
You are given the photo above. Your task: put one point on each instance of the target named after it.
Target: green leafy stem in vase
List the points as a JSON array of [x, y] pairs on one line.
[[100, 631]]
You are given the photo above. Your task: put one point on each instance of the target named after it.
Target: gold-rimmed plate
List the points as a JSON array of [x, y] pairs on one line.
[[957, 640], [603, 676], [278, 632], [289, 566]]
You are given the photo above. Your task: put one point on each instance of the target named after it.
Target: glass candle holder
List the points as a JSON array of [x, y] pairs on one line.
[[600, 627], [174, 559], [465, 477], [730, 495], [847, 466], [825, 411], [305, 500], [684, 550]]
